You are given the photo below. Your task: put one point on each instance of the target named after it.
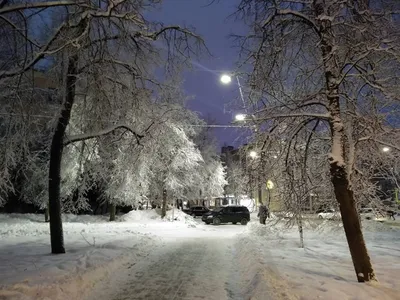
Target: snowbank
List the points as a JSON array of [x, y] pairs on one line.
[[154, 215], [323, 270], [140, 216], [180, 216]]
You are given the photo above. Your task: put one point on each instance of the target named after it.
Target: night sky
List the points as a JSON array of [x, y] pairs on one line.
[[213, 22]]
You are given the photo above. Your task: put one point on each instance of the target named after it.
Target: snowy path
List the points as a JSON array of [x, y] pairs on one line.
[[188, 268]]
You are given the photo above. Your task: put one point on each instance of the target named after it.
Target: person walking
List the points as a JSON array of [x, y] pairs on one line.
[[262, 213]]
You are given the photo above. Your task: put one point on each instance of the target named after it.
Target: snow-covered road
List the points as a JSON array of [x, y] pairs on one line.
[[187, 268], [143, 257]]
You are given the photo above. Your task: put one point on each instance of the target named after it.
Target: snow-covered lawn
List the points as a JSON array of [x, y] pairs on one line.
[[94, 246], [323, 270], [258, 259]]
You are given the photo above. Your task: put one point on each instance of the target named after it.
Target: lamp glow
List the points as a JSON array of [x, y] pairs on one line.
[[226, 79], [385, 149], [240, 117], [253, 154], [270, 185]]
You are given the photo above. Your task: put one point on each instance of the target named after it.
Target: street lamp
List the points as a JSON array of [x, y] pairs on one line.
[[270, 185], [385, 149], [240, 117], [226, 79], [253, 154]]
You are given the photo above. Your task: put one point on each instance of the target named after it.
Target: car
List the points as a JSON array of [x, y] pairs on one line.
[[197, 211], [234, 214], [329, 214]]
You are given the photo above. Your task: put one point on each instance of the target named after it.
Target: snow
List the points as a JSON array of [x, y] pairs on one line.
[[323, 270], [95, 247], [183, 259]]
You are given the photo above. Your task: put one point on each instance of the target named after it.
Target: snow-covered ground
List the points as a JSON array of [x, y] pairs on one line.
[[323, 269], [143, 257], [94, 246]]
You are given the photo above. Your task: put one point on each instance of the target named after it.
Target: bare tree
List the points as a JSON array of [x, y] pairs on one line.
[[327, 66]]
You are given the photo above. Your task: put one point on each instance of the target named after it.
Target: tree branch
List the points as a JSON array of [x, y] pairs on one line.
[[304, 18], [43, 4], [326, 116], [19, 30], [370, 138], [87, 136], [39, 56], [154, 36]]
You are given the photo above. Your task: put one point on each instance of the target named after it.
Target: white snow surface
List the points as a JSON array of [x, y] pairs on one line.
[[141, 256], [323, 269]]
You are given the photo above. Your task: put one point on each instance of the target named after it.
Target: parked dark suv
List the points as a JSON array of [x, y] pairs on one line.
[[234, 214], [197, 211]]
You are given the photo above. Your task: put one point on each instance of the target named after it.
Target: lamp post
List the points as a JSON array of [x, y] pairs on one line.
[[253, 154]]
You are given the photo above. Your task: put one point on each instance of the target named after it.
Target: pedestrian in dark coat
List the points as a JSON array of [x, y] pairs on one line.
[[262, 213]]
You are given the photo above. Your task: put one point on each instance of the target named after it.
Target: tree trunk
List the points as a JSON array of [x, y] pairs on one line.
[[46, 213], [352, 226], [164, 204], [260, 194], [344, 195], [299, 219], [56, 151], [113, 209]]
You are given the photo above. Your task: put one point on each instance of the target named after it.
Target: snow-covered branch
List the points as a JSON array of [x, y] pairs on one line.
[[293, 115], [36, 5], [383, 143], [87, 136], [301, 16]]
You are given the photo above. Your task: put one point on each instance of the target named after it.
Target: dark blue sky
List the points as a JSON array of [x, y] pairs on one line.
[[212, 22]]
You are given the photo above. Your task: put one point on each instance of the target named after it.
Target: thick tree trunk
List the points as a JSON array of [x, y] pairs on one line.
[[339, 177], [164, 204], [56, 151], [113, 210], [352, 226]]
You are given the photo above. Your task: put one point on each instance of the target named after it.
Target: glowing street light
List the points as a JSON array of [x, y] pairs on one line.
[[226, 79], [385, 149], [270, 185], [240, 117], [253, 154]]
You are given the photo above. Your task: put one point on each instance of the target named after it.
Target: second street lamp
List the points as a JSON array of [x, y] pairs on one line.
[[253, 154], [240, 117]]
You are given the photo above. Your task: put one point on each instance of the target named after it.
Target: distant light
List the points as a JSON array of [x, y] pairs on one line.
[[275, 156], [270, 185], [226, 79], [253, 154], [385, 149], [240, 117]]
